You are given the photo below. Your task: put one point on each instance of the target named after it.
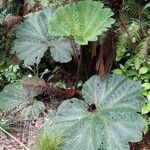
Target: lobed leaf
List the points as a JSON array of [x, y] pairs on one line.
[[33, 40], [83, 21], [12, 96], [17, 96], [33, 110], [107, 120]]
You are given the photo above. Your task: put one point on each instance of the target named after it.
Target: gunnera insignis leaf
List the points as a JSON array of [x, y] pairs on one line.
[[33, 40], [15, 96], [83, 21], [107, 119]]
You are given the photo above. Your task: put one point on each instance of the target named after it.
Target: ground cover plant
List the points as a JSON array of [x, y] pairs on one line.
[[78, 71]]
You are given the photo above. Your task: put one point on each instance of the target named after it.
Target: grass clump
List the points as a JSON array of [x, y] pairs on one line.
[[47, 141]]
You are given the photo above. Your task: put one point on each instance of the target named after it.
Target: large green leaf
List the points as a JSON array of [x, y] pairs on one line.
[[16, 96], [33, 110], [33, 40], [83, 21], [61, 50], [12, 96], [107, 119]]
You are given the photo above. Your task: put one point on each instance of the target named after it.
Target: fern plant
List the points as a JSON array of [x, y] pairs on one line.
[[133, 44], [135, 62], [128, 39], [102, 120]]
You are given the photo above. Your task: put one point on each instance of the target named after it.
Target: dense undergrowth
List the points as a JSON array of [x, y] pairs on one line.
[[50, 52]]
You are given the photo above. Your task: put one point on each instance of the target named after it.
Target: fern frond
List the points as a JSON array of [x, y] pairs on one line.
[[144, 49], [131, 7], [123, 44]]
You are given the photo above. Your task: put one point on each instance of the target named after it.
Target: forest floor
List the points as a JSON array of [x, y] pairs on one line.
[[27, 132], [28, 135]]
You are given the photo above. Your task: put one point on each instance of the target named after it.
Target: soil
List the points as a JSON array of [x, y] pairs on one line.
[[143, 145], [26, 134]]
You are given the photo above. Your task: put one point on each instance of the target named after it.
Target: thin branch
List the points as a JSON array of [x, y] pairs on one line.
[[14, 138]]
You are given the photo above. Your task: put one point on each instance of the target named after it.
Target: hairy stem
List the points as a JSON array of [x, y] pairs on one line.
[[75, 53], [79, 66]]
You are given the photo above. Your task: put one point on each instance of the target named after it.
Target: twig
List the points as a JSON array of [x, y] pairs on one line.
[[14, 138]]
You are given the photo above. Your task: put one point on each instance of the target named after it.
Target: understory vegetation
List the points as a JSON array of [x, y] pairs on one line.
[[76, 70]]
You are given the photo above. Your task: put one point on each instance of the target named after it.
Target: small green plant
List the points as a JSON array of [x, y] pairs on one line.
[[9, 74], [141, 74], [47, 141]]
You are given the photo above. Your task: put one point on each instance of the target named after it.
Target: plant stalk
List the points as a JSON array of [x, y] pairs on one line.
[[79, 67], [75, 53]]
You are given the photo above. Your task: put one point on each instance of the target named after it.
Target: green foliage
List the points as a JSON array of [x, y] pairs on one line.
[[61, 50], [47, 3], [11, 73], [147, 6], [33, 40], [133, 45], [103, 119], [137, 69], [136, 8], [6, 124], [108, 116], [146, 93], [83, 21], [14, 96], [123, 43], [47, 141]]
